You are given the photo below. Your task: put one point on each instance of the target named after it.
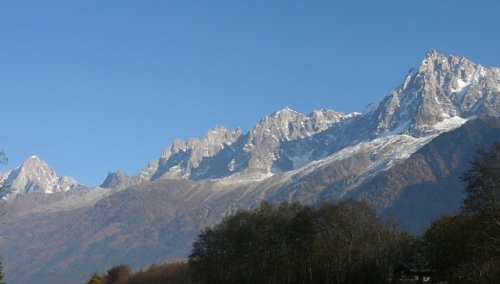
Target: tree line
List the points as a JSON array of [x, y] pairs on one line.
[[293, 243], [346, 242]]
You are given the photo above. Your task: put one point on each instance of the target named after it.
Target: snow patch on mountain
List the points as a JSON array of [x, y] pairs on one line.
[[395, 131], [452, 123]]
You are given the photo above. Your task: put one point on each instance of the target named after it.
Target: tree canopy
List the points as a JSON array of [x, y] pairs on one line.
[[293, 243]]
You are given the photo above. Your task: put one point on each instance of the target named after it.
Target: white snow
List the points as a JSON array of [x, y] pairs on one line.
[[388, 149], [396, 148], [451, 123], [478, 74], [395, 131], [460, 92], [461, 84]]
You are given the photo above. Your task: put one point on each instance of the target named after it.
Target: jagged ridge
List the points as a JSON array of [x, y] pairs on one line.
[[440, 89]]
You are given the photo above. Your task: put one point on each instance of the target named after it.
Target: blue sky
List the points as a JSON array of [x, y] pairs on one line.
[[99, 86]]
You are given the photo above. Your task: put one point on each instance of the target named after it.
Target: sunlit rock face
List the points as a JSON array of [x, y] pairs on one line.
[[440, 88], [36, 176], [439, 95]]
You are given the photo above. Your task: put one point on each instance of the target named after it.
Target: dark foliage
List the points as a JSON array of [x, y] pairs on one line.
[[465, 248], [175, 273], [118, 274], [293, 243]]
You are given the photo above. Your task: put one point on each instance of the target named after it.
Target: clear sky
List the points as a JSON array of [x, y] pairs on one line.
[[99, 86]]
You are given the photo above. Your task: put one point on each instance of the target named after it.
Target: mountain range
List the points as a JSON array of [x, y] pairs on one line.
[[403, 154]]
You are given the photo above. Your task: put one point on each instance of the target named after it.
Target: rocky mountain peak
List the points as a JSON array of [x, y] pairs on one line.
[[220, 133], [35, 175], [447, 67], [282, 124], [433, 55], [180, 158], [34, 162], [36, 169], [442, 87], [283, 112], [324, 119], [214, 141], [116, 180]]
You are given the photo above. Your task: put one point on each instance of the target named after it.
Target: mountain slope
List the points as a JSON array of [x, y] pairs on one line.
[[427, 184]]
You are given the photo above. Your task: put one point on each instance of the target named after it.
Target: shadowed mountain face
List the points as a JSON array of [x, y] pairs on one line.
[[427, 184], [403, 154]]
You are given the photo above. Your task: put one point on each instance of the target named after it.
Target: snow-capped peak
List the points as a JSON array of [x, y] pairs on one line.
[[35, 175], [442, 87], [286, 110], [437, 96]]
